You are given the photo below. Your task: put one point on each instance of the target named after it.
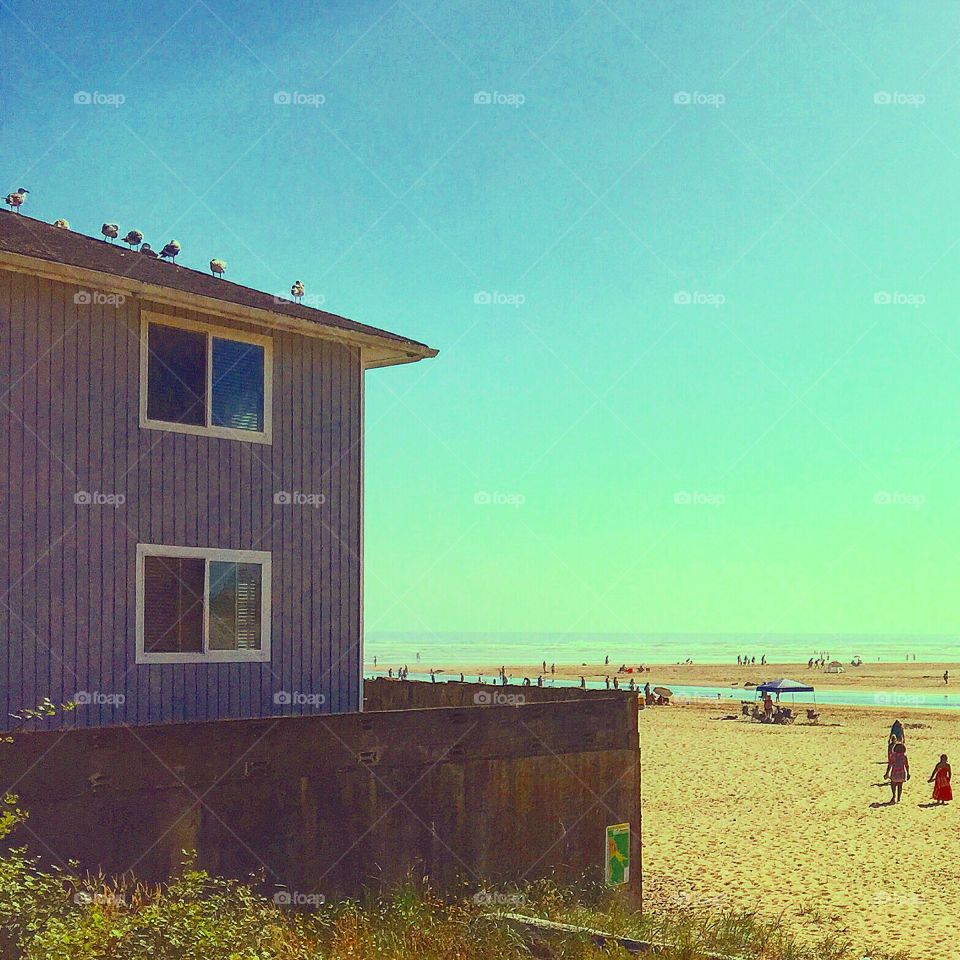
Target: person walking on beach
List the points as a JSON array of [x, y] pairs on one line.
[[940, 778], [896, 730], [899, 772], [946, 676]]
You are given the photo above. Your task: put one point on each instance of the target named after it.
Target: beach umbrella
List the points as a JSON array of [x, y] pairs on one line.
[[664, 692]]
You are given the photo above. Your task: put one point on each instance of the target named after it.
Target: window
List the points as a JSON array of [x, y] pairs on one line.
[[204, 380], [197, 605]]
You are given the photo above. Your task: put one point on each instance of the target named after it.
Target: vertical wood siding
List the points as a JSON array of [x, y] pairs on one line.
[[69, 422]]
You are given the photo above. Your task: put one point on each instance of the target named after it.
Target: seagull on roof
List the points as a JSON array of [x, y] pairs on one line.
[[218, 267], [297, 291], [170, 250], [110, 231], [62, 224], [148, 251], [15, 200], [134, 238]]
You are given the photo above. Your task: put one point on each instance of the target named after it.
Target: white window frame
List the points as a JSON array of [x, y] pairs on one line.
[[263, 558], [224, 333]]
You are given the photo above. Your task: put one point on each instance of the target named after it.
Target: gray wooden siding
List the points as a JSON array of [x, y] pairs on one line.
[[69, 422]]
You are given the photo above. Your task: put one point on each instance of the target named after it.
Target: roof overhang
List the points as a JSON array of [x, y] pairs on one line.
[[376, 351]]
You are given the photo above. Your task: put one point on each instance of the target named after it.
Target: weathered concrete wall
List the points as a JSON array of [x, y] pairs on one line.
[[328, 805], [386, 694]]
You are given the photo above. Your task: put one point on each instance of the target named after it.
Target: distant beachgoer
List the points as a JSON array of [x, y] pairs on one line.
[[616, 685], [418, 656], [461, 678], [753, 660], [899, 772], [539, 681], [583, 683], [946, 676], [739, 660], [607, 681], [433, 676], [940, 778], [763, 660], [390, 673], [810, 664], [374, 661], [896, 730], [544, 666], [606, 660], [768, 706], [553, 668], [633, 685]]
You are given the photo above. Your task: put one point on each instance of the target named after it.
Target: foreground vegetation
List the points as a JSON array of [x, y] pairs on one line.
[[48, 914]]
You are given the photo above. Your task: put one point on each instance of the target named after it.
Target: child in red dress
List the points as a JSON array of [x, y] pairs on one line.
[[940, 778]]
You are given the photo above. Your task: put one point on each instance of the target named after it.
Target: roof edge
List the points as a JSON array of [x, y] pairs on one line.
[[376, 351]]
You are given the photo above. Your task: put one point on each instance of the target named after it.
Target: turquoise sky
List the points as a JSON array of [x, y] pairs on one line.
[[715, 387]]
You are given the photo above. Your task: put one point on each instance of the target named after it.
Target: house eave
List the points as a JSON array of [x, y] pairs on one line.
[[377, 351]]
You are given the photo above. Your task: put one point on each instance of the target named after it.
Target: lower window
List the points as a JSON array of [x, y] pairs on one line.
[[198, 604]]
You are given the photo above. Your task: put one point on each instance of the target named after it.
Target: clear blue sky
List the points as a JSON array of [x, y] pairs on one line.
[[807, 176]]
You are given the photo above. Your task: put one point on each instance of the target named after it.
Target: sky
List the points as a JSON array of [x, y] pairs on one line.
[[691, 269]]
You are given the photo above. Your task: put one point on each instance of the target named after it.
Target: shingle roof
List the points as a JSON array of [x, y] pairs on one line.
[[27, 237]]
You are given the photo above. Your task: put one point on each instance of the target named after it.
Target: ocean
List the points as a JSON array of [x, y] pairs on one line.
[[635, 648]]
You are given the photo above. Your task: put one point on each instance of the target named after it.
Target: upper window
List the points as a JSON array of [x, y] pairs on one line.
[[204, 380], [196, 604]]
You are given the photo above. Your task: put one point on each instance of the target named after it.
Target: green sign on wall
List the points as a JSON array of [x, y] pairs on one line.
[[617, 862]]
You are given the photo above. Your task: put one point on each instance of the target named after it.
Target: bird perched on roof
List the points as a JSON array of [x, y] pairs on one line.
[[170, 250], [15, 200], [110, 231], [218, 267], [62, 224], [148, 251], [297, 291], [134, 238]]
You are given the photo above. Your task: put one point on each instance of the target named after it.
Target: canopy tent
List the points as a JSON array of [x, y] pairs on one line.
[[784, 686]]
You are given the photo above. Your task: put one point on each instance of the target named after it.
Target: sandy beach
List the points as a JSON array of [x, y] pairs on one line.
[[794, 820]]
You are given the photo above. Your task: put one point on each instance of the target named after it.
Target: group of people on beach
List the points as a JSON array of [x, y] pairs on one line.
[[745, 661], [898, 769]]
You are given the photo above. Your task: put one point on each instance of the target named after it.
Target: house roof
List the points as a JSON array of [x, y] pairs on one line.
[[23, 236]]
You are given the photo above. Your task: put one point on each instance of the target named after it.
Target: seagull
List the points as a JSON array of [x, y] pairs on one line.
[[170, 250], [134, 238], [218, 267], [148, 251], [110, 231], [297, 291], [15, 200], [62, 224]]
